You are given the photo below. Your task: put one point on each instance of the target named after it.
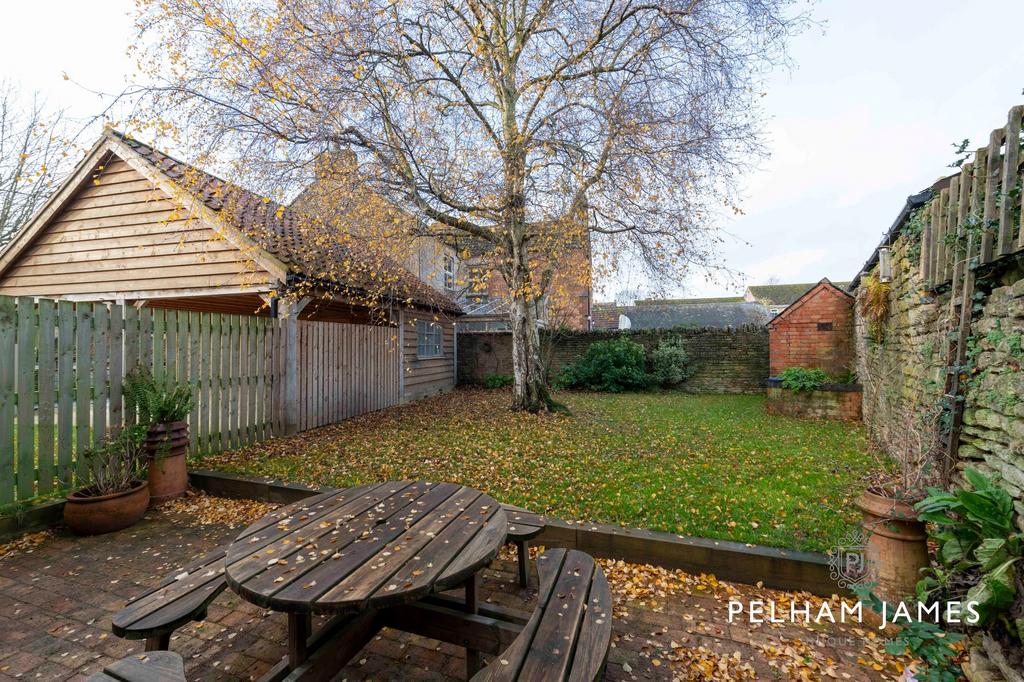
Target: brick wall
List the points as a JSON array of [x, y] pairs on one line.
[[844, 405], [722, 360], [816, 332]]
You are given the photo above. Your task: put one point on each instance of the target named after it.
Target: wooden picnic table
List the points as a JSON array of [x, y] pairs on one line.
[[358, 554]]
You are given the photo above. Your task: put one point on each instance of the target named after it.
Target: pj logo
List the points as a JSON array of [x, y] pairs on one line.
[[848, 564]]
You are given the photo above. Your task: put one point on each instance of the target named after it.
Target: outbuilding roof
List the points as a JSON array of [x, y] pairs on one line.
[[785, 294], [822, 284], [309, 249], [719, 315]]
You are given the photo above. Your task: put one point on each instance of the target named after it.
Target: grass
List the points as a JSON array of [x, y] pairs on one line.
[[708, 466]]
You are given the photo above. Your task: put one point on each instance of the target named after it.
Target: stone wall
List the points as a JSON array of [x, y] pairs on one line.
[[903, 373], [722, 360]]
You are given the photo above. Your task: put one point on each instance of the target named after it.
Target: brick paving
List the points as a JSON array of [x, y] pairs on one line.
[[56, 602]]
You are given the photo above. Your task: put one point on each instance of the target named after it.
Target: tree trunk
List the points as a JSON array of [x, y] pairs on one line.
[[530, 390]]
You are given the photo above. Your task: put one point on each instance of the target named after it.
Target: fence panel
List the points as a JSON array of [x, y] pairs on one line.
[[61, 389], [980, 217]]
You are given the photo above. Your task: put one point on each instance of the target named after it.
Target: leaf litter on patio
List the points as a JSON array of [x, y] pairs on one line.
[[798, 651], [199, 509], [24, 543]]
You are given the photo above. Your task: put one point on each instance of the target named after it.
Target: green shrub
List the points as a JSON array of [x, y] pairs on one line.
[[803, 379], [614, 366], [498, 380], [670, 365], [979, 546], [157, 403]]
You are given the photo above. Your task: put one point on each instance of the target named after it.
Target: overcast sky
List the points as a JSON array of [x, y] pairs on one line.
[[866, 116]]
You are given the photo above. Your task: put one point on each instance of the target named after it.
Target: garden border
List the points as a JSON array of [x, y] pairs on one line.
[[734, 561]]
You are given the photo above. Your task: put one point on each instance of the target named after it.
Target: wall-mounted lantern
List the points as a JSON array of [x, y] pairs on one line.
[[884, 264]]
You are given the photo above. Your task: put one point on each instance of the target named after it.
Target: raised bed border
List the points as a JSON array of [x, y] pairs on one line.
[[776, 382], [733, 561]]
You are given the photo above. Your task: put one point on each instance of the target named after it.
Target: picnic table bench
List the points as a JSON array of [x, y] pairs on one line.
[[523, 526], [155, 666], [380, 556], [569, 633], [177, 600]]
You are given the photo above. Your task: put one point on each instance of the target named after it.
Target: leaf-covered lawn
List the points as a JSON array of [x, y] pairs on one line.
[[709, 466]]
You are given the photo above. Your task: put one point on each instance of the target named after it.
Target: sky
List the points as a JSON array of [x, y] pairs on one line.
[[866, 115]]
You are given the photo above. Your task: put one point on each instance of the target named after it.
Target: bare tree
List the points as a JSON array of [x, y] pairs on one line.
[[520, 124], [33, 155]]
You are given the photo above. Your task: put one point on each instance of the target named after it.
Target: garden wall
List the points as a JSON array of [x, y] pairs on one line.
[[903, 372], [831, 401], [722, 360]]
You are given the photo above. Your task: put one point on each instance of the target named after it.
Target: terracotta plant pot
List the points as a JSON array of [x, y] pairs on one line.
[[167, 446], [88, 514], [896, 545]]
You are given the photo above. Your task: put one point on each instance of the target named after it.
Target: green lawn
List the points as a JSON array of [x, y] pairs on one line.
[[709, 466]]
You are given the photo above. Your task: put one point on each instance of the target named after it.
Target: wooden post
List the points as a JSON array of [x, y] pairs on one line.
[[993, 171], [288, 311], [401, 356], [472, 655], [299, 628], [523, 554], [1010, 160]]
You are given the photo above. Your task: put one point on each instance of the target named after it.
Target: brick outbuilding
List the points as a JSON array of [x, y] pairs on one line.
[[815, 331]]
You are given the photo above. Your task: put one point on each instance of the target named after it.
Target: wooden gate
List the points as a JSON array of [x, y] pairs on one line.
[[345, 370]]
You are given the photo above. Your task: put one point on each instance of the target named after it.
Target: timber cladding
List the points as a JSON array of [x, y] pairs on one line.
[[721, 360], [119, 229], [426, 374]]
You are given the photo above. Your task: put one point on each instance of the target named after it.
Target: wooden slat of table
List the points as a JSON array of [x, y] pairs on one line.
[[328, 592], [523, 524], [304, 560], [297, 516], [199, 562], [274, 517], [403, 562], [480, 549], [595, 634], [179, 594], [506, 668]]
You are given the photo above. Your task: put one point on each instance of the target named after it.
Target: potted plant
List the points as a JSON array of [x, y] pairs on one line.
[[163, 410], [895, 539], [118, 497]]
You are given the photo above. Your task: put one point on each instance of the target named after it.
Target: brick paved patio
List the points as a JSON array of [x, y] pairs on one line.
[[56, 601]]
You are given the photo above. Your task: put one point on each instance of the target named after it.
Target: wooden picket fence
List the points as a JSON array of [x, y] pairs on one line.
[[978, 217], [62, 368]]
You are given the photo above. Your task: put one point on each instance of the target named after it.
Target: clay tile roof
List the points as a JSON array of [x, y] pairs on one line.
[[284, 233]]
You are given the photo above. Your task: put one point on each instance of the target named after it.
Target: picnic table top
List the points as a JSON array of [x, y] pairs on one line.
[[371, 546]]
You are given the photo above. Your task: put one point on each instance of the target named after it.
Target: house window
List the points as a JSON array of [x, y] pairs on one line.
[[824, 326], [428, 339], [449, 272]]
